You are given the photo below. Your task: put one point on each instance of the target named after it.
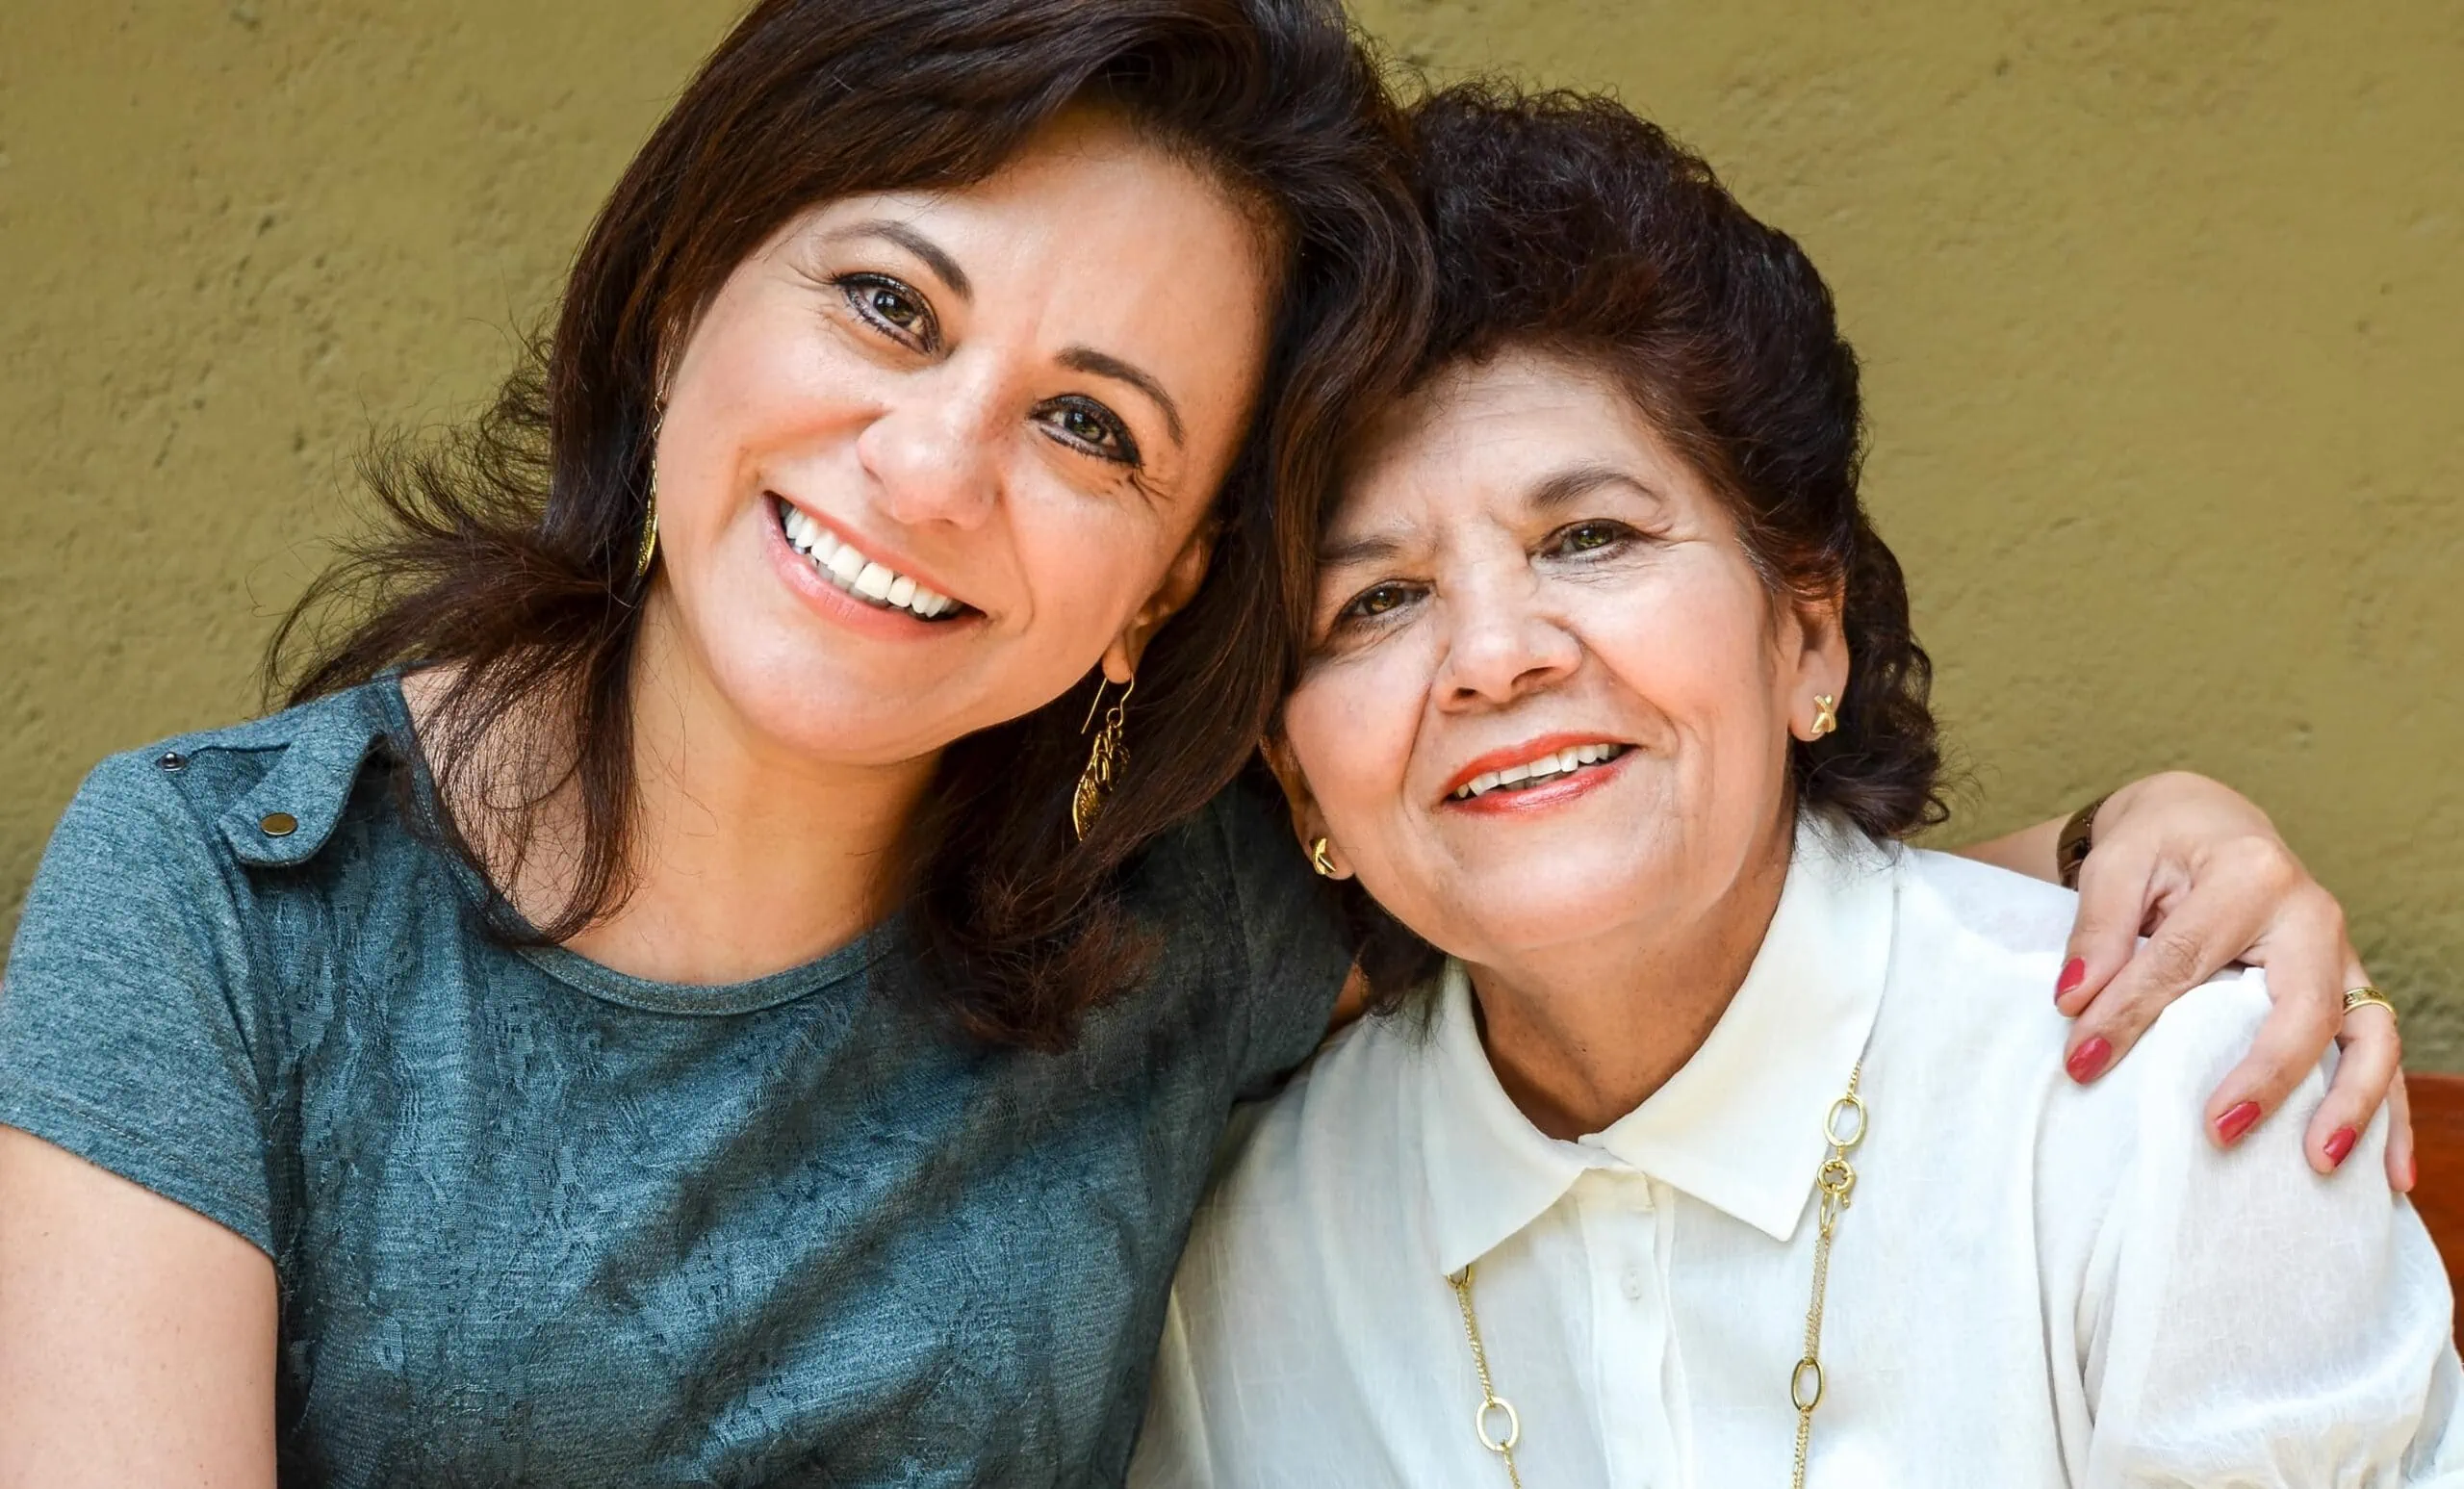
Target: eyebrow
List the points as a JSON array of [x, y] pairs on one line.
[[1366, 549], [935, 258], [1087, 359], [1560, 490], [1569, 486]]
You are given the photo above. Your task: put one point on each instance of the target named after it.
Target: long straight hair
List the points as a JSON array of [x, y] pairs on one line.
[[507, 550]]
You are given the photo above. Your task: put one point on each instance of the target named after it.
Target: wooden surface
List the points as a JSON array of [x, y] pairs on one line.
[[2438, 1193]]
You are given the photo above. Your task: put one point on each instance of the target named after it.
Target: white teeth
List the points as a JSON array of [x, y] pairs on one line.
[[1572, 757], [851, 572]]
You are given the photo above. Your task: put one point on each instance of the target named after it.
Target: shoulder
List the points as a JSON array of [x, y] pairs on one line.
[[1325, 1156], [1981, 942], [266, 791], [269, 792], [1240, 839], [170, 834], [1263, 942], [1968, 1030]]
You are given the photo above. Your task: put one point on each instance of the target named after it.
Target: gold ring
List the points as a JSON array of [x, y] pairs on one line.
[[2360, 996]]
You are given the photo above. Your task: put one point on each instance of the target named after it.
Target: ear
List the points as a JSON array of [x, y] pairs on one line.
[[1820, 661], [1308, 824], [1181, 579]]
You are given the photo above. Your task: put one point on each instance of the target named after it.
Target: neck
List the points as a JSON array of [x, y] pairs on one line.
[[744, 857], [1581, 1034]]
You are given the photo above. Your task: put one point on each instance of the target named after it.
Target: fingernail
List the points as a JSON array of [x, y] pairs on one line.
[[2412, 1175], [2073, 972], [2087, 1061], [2236, 1120], [2339, 1143]]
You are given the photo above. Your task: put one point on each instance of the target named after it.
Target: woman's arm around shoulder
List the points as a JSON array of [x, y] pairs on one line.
[[2201, 873], [2241, 1320]]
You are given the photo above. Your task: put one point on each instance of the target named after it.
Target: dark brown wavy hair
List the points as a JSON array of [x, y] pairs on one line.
[[1564, 223], [507, 550]]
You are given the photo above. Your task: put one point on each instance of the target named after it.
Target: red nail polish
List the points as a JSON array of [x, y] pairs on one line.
[[2073, 972], [2087, 1061], [2340, 1144], [2237, 1121]]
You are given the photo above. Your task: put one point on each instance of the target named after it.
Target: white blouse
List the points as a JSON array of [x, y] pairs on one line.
[[2037, 1283]]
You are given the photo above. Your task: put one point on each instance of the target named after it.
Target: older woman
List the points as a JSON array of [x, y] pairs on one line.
[[1718, 1136]]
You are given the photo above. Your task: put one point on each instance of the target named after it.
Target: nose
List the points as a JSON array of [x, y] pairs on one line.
[[1503, 644], [930, 453]]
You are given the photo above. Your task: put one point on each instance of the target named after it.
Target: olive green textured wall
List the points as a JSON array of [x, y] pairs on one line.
[[2162, 305]]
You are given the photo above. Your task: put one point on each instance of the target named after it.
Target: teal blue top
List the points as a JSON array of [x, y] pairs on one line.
[[538, 1222]]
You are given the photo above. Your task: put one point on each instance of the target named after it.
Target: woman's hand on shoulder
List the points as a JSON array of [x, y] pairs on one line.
[[136, 1337], [2199, 871]]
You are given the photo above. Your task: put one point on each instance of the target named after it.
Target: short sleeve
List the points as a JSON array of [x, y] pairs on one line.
[[1288, 928], [2259, 1324], [127, 1025]]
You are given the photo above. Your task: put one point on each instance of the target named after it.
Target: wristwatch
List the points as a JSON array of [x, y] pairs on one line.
[[2078, 835]]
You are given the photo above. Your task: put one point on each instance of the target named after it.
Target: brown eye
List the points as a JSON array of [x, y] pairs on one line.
[[1088, 425], [1375, 601], [895, 308], [890, 306], [1590, 538]]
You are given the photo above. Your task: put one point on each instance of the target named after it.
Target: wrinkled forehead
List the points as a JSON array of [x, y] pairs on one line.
[[1481, 438]]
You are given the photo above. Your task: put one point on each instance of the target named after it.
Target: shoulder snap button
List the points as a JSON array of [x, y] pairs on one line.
[[172, 760], [277, 824]]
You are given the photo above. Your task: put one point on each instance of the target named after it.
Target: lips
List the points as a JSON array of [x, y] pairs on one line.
[[1534, 762], [867, 579]]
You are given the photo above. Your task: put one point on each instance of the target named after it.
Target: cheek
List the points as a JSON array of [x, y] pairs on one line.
[[762, 383], [1698, 650], [1351, 725], [1089, 564]]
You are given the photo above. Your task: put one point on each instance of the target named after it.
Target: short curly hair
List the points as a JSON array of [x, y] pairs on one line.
[[1565, 225]]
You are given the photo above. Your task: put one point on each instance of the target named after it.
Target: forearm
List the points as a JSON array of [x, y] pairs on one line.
[[2028, 851]]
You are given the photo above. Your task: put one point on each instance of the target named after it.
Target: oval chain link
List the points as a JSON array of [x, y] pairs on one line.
[[1834, 1188]]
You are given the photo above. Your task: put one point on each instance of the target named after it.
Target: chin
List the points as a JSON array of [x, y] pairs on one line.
[[820, 701], [1504, 913]]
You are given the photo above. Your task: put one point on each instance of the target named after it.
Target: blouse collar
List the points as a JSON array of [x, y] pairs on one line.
[[1739, 1128]]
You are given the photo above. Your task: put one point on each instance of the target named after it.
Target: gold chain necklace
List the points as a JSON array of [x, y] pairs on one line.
[[1834, 1182]]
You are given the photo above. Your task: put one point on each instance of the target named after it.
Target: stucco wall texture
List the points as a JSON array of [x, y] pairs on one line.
[[2161, 304]]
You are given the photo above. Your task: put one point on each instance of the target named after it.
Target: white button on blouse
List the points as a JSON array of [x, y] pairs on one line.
[[2037, 1284]]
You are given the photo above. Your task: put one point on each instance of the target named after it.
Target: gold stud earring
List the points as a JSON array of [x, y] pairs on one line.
[[1104, 762], [1318, 859], [1826, 716]]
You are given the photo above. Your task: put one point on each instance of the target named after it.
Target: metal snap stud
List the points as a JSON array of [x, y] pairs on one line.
[[172, 760], [277, 824]]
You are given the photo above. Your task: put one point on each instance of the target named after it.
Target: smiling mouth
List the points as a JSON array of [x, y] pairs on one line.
[[1540, 772], [876, 584]]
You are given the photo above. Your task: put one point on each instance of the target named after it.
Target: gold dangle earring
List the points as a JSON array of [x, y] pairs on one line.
[[649, 510], [1103, 763], [1826, 716]]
